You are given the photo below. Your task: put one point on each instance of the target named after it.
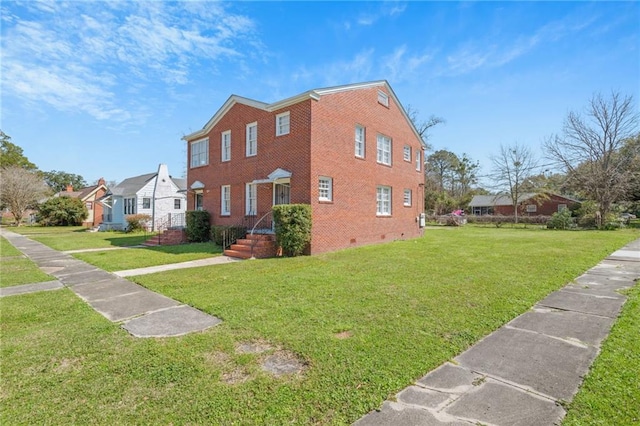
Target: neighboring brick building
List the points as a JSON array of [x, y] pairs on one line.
[[350, 152], [89, 196], [530, 204]]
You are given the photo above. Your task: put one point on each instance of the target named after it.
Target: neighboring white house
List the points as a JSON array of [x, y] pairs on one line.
[[158, 195]]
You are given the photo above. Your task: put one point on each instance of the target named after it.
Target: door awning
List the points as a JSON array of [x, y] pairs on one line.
[[274, 176]]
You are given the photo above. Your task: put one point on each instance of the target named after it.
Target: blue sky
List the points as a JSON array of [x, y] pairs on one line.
[[107, 89]]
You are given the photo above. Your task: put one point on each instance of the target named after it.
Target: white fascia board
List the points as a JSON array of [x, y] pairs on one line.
[[311, 94]]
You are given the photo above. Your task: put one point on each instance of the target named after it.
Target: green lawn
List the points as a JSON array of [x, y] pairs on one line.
[[366, 322], [117, 260], [610, 394], [15, 269], [65, 238]]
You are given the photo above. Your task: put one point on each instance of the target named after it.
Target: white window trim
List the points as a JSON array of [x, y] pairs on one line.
[[225, 146], [383, 207], [329, 188], [384, 146], [198, 161], [406, 153], [407, 198], [225, 200], [383, 98], [199, 196], [280, 130], [145, 199], [251, 148], [249, 196], [418, 157], [360, 145], [179, 202]]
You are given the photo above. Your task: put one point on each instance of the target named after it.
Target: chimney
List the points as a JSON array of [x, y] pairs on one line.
[[101, 181], [69, 188]]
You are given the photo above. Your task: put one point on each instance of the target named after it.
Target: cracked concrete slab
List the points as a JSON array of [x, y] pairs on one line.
[[30, 288], [175, 321], [567, 325], [450, 378], [544, 364], [393, 413], [498, 404], [131, 305], [416, 395], [589, 304], [106, 289]]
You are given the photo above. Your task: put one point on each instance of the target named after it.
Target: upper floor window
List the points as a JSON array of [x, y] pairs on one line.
[[384, 150], [200, 153], [406, 153], [252, 139], [325, 190], [225, 200], [383, 200], [383, 98], [359, 141], [226, 146], [282, 124], [146, 203], [418, 161]]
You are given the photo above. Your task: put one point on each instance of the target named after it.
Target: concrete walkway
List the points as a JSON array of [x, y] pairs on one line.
[[217, 260], [142, 312], [523, 373]]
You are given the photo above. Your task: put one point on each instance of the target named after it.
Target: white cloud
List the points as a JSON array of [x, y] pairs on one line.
[[84, 56]]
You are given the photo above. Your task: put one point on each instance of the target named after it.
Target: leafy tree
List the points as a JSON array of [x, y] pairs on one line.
[[21, 189], [58, 181], [62, 211], [449, 181], [11, 154], [511, 169], [589, 149]]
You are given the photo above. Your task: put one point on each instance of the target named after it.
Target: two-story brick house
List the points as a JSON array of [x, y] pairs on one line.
[[351, 152]]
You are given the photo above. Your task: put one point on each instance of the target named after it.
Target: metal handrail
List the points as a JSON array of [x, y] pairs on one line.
[[253, 242]]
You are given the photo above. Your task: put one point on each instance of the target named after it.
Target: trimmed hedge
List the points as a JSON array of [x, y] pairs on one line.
[[198, 227], [293, 227]]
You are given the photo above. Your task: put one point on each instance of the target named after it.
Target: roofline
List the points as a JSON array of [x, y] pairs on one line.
[[314, 94]]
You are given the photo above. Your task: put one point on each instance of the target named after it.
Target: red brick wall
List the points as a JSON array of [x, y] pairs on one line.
[[350, 219], [320, 143]]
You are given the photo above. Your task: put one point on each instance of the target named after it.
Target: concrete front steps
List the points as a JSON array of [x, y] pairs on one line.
[[170, 237], [264, 246]]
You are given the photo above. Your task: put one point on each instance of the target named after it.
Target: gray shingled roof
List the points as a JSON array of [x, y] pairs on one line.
[[497, 200], [132, 184]]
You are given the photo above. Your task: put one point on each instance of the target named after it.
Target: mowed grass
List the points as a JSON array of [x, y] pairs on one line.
[[15, 269], [117, 260], [366, 323], [610, 394], [65, 238]]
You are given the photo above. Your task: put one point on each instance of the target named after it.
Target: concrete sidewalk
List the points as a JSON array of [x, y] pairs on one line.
[[142, 312], [523, 373], [217, 260]]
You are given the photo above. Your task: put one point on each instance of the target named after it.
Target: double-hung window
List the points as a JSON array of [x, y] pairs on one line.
[[225, 200], [251, 200], [200, 153], [129, 205], [176, 203], [418, 160], [325, 188], [146, 203], [252, 139], [226, 145], [383, 201], [407, 198], [282, 123], [406, 153], [359, 141], [384, 150]]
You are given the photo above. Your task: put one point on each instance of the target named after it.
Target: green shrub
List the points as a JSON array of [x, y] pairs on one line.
[[293, 227], [560, 220], [138, 222], [234, 232], [62, 211], [198, 227]]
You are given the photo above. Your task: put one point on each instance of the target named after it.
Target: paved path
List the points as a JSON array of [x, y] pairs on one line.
[[522, 373], [142, 312], [217, 260]]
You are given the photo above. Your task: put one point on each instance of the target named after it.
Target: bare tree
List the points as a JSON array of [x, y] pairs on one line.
[[512, 167], [589, 149], [20, 189], [423, 126]]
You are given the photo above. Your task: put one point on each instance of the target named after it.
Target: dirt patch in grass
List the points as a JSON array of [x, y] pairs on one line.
[[343, 335], [253, 347], [283, 363]]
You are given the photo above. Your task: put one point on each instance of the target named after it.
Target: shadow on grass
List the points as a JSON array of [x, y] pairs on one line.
[[208, 247]]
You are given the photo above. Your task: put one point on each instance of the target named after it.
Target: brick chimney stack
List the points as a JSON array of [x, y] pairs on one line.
[[69, 188]]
